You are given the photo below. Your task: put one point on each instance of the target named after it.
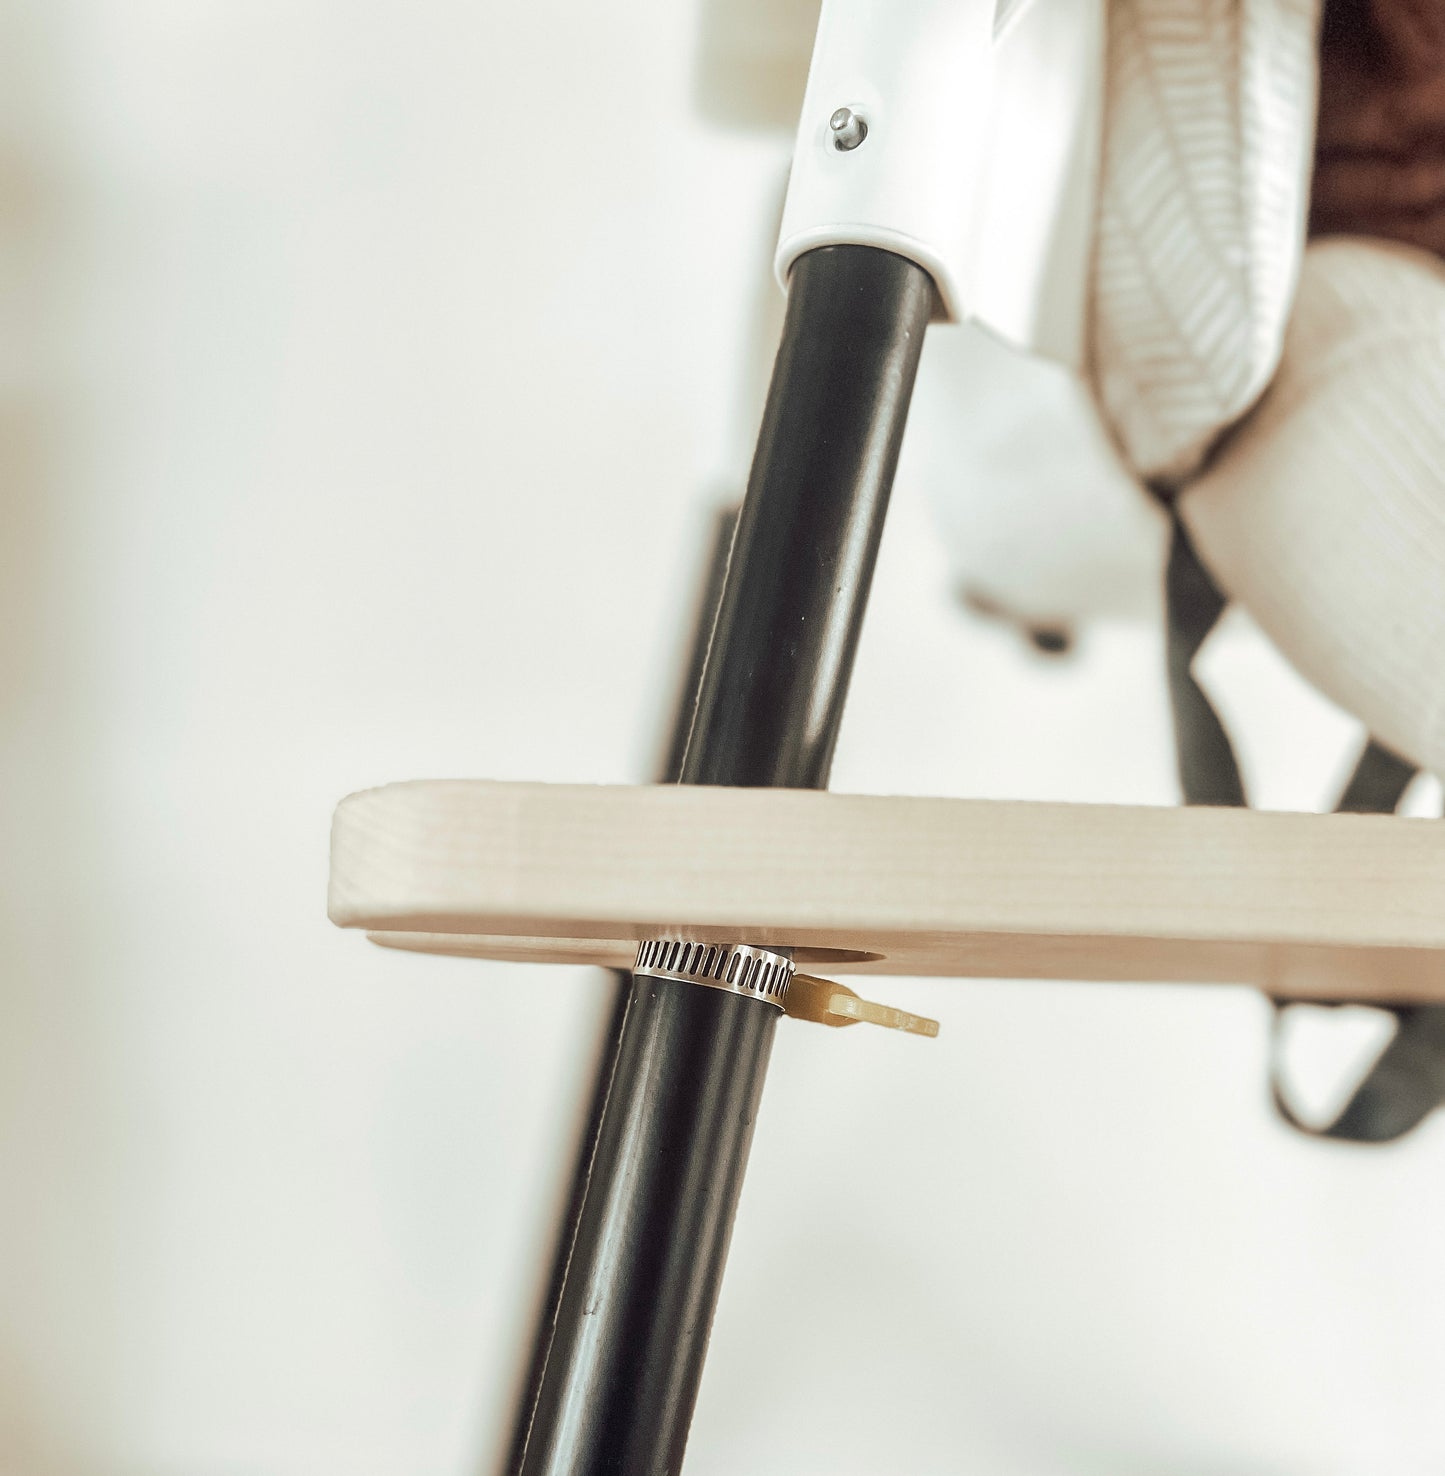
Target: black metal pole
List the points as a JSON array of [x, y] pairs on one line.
[[609, 1043], [624, 1354]]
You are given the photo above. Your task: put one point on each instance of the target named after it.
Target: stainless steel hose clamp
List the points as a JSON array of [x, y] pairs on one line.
[[736, 968]]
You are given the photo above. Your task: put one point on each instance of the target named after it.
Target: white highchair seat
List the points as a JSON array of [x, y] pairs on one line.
[[1293, 398]]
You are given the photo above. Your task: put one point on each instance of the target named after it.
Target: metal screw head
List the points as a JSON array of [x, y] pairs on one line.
[[848, 129]]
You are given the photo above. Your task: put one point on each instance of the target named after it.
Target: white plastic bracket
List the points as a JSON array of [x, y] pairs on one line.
[[980, 159]]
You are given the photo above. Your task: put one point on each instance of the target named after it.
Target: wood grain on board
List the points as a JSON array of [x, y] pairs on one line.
[[1305, 906]]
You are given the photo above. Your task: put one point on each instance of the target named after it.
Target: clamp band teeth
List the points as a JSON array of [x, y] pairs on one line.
[[736, 968]]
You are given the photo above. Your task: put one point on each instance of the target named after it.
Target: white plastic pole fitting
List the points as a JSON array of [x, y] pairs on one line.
[[962, 134]]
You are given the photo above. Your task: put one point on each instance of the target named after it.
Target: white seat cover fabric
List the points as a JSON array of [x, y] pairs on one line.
[[1205, 158], [1208, 138], [1324, 513]]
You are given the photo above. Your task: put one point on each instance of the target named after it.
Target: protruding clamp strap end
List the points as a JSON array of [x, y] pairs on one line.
[[762, 974]]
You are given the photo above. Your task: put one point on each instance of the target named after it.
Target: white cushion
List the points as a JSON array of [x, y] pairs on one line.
[[1207, 152], [1324, 512]]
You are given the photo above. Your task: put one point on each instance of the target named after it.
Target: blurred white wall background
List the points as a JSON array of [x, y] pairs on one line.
[[369, 371]]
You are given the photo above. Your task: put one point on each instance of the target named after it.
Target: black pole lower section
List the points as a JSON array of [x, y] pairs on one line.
[[625, 1352], [609, 1043]]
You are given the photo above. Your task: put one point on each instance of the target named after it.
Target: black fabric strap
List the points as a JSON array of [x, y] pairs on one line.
[[1407, 1082], [1404, 1086], [1208, 770], [1378, 783]]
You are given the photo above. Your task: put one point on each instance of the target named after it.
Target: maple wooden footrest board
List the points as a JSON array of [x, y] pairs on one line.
[[1304, 906]]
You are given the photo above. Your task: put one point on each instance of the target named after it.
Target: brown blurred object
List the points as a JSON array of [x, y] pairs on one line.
[[1380, 151]]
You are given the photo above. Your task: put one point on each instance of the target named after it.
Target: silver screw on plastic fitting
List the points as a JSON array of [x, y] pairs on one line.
[[848, 130]]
